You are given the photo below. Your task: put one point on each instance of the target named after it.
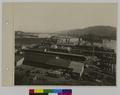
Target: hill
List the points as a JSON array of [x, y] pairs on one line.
[[106, 32]]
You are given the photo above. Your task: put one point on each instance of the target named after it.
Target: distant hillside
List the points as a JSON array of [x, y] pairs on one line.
[[107, 32]]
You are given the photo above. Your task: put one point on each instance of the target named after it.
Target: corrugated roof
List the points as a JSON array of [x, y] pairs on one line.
[[54, 61], [59, 62]]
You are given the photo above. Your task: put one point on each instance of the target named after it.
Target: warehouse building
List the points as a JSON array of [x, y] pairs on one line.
[[53, 62]]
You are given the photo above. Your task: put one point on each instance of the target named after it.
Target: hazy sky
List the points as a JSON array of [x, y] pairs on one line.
[[51, 17]]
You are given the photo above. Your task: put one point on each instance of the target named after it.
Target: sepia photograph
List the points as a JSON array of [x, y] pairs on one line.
[[65, 44]]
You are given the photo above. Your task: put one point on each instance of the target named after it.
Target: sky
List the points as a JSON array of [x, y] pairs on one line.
[[54, 17]]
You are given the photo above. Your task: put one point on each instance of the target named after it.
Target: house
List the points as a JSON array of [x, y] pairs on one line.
[[78, 69]]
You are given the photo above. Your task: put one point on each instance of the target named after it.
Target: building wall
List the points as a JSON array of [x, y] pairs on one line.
[[110, 44]]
